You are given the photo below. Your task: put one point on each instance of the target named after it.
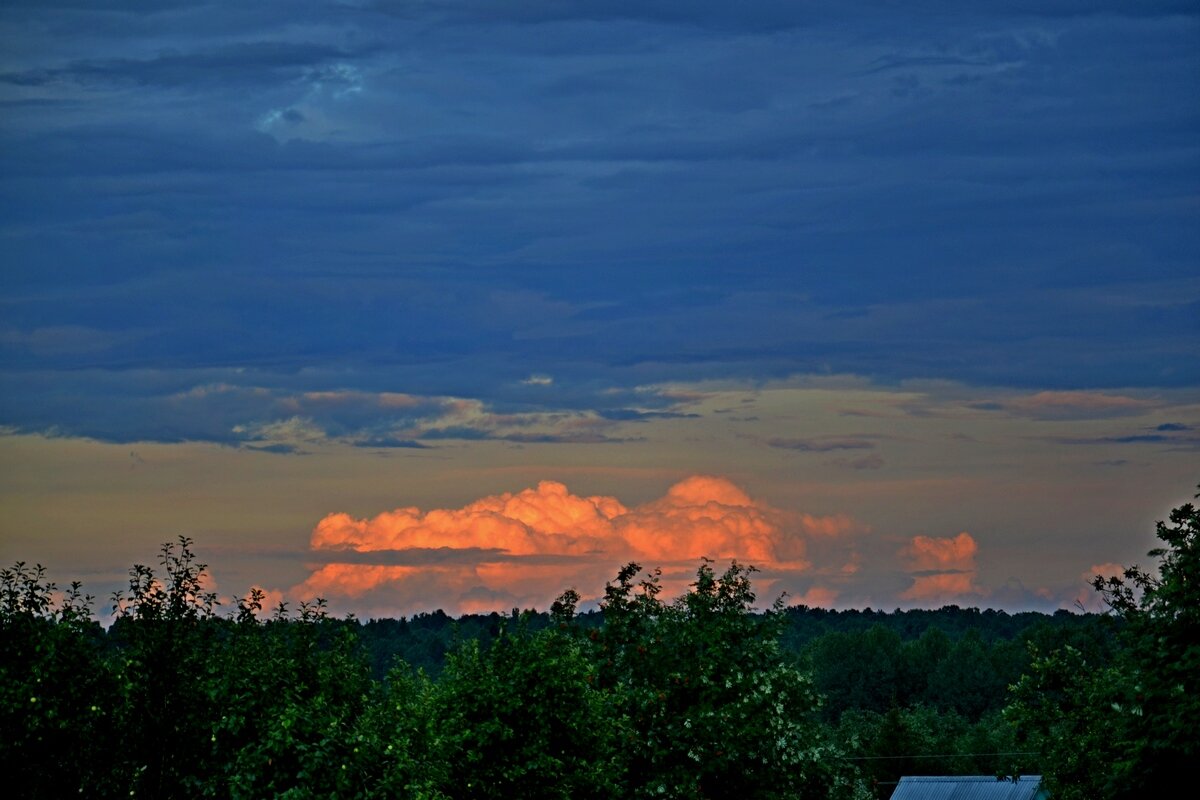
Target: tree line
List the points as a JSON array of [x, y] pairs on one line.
[[698, 697]]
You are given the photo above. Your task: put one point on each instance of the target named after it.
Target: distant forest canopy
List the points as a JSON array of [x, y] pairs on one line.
[[900, 648], [699, 697]]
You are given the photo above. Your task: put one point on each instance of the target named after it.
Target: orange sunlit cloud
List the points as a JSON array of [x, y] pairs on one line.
[[817, 597], [1087, 598], [1106, 570], [930, 553], [944, 568], [834, 526], [941, 587], [523, 548]]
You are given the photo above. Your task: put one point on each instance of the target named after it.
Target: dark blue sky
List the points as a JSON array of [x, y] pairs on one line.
[[909, 270], [444, 198]]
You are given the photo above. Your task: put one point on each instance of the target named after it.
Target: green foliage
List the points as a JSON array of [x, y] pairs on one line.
[[714, 709], [294, 709], [966, 679], [917, 740], [858, 670], [1130, 726], [643, 698], [166, 633], [1067, 708], [1162, 617], [874, 670], [58, 695], [525, 718], [806, 624]]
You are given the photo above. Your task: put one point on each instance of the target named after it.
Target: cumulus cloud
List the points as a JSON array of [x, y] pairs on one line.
[[523, 548], [1106, 570], [1087, 598], [941, 587], [929, 553], [833, 526], [943, 569], [817, 597]]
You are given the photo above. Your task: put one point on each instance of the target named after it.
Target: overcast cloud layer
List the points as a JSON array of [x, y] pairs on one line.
[[412, 226]]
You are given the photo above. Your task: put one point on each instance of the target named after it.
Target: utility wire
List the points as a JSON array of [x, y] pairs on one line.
[[942, 755]]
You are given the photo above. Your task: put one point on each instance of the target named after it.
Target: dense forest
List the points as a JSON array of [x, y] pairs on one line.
[[699, 697]]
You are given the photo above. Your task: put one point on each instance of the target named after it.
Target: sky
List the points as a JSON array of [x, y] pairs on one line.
[[418, 305]]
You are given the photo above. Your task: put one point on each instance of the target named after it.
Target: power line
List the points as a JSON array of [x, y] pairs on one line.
[[942, 755]]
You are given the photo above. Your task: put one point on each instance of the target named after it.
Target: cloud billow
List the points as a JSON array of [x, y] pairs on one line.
[[526, 547], [943, 569]]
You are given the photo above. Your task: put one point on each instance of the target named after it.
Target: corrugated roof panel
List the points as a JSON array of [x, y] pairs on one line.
[[968, 787]]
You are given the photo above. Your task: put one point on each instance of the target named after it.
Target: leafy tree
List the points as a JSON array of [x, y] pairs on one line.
[[1162, 630], [524, 717], [857, 669], [283, 694], [924, 740], [165, 635], [714, 708], [1129, 728], [966, 680], [306, 720], [57, 693], [643, 698], [1067, 707], [400, 721], [920, 660]]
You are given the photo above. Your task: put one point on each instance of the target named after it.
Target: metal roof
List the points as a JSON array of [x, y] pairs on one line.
[[969, 787]]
